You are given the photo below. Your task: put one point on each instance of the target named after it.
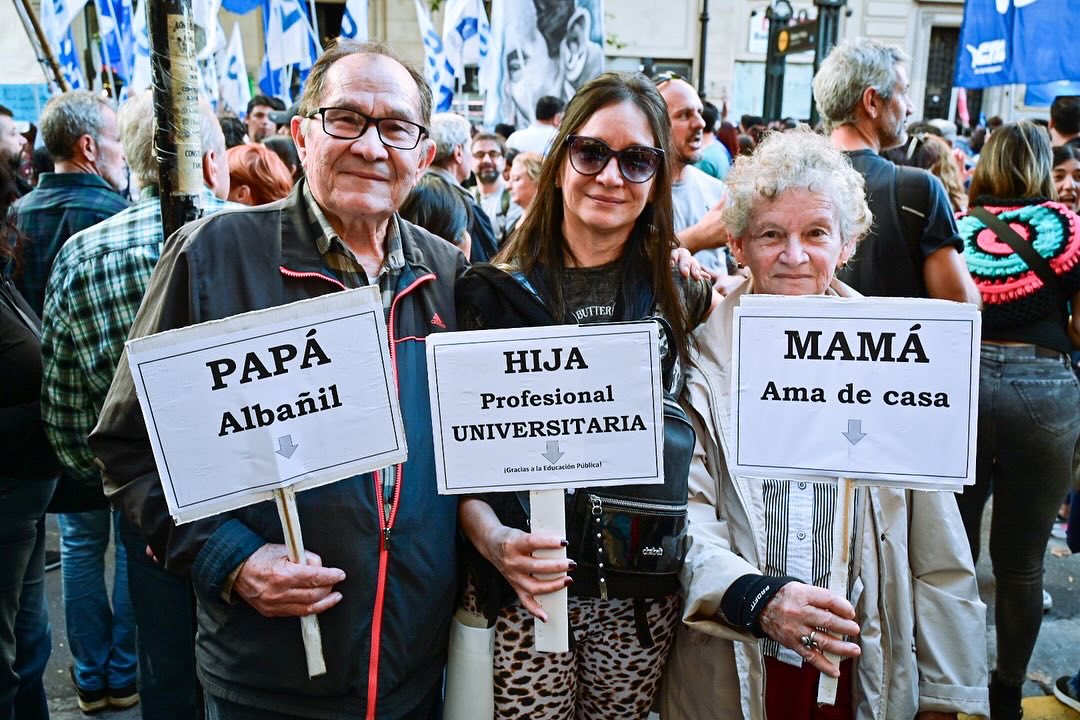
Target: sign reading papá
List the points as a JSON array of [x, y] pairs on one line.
[[299, 395], [546, 408], [877, 389]]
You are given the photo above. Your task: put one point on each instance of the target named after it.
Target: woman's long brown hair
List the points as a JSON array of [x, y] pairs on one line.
[[538, 245]]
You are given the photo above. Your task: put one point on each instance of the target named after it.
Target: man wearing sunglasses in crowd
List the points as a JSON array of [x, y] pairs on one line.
[[361, 132], [698, 198]]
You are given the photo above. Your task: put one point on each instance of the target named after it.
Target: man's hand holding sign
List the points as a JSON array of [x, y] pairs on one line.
[[248, 408]]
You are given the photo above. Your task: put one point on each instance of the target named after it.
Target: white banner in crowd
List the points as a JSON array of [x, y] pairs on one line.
[[877, 389], [529, 60], [296, 396], [546, 408]]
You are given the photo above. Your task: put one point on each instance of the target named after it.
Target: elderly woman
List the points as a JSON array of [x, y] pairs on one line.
[[911, 638], [595, 247]]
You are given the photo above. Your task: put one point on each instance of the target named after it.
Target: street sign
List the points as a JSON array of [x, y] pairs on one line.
[[880, 390], [296, 396], [801, 37], [546, 408]]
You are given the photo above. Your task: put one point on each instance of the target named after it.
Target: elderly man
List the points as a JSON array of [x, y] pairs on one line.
[[913, 249], [454, 163], [94, 291], [697, 197], [759, 615], [384, 571]]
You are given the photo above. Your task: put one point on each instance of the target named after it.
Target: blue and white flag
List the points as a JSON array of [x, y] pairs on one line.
[[354, 23], [1017, 41], [289, 36], [140, 70], [466, 35], [117, 40], [235, 91], [438, 73], [68, 60], [56, 17]]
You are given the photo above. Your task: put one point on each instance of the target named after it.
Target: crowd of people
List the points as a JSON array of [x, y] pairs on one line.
[[635, 200]]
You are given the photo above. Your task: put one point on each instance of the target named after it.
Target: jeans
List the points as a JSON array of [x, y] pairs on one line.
[[165, 617], [430, 708], [1029, 416], [25, 636], [102, 639]]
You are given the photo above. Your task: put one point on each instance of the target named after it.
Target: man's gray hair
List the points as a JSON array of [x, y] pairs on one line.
[[448, 130], [798, 159], [851, 68], [138, 132], [69, 116]]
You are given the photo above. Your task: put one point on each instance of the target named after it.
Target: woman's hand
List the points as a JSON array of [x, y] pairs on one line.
[[799, 609], [688, 266], [511, 552]]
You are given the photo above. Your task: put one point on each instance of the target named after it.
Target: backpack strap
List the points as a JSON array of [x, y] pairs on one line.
[[912, 198]]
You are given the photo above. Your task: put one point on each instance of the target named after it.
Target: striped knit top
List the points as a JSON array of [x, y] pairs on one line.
[[1017, 306]]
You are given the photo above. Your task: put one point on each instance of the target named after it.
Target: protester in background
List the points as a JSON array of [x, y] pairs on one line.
[[41, 162], [392, 597], [12, 144], [284, 147], [537, 137], [435, 206], [933, 154], [594, 247], [861, 90], [257, 176], [27, 478], [234, 129], [92, 297], [492, 191], [728, 135], [1066, 175], [524, 182], [453, 163], [1065, 120], [259, 123], [759, 617], [715, 160], [1029, 397]]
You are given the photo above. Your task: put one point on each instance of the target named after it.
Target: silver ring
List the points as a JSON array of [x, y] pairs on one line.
[[807, 641]]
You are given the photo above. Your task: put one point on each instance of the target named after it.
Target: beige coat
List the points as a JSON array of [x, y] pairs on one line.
[[914, 590]]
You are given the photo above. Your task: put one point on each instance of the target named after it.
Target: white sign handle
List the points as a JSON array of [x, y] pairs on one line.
[[294, 541], [549, 515], [838, 576]]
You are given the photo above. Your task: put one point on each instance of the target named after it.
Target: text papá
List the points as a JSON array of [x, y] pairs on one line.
[[875, 389], [298, 395]]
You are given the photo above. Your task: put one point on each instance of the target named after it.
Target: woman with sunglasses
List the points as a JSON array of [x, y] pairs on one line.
[[594, 247]]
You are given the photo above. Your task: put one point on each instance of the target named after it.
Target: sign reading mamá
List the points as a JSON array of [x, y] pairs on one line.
[[877, 389], [545, 408], [296, 396]]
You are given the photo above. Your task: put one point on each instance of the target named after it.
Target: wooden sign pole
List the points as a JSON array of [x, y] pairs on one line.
[[548, 514], [294, 541], [838, 577]]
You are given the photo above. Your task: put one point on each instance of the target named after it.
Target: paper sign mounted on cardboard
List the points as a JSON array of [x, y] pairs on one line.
[[299, 395], [546, 408], [877, 389]]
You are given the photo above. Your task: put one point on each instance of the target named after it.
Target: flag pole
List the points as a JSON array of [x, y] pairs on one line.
[[41, 44], [175, 79]]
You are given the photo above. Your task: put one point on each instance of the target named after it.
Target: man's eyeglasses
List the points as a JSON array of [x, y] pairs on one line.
[[666, 76], [590, 156], [346, 124], [481, 154]]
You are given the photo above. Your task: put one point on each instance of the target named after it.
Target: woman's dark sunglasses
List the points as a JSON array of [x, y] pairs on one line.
[[590, 156]]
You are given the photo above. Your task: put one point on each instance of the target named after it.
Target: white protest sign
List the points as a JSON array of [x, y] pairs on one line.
[[877, 389], [295, 396], [546, 408]]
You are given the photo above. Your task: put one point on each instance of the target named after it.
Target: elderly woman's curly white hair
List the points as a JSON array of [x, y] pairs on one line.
[[802, 160]]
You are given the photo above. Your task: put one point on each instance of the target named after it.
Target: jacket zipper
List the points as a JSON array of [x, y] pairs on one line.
[[297, 274], [656, 508], [387, 516]]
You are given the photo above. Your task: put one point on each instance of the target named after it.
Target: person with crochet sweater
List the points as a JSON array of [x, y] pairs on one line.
[[1029, 397]]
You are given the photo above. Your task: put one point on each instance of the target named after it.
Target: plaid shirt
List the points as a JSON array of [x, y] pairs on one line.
[[93, 294], [61, 205]]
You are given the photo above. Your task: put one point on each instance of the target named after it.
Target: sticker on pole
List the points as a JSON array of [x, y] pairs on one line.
[[877, 389], [295, 396], [546, 408]]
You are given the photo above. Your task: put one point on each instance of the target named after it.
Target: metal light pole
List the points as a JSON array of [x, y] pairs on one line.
[[828, 32], [175, 76], [779, 15], [701, 51]]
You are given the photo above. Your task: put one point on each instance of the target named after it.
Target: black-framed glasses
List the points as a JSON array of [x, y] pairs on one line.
[[666, 76], [590, 156], [346, 124]]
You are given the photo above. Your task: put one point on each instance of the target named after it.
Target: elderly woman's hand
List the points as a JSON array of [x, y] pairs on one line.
[[799, 609], [511, 552], [688, 266]]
